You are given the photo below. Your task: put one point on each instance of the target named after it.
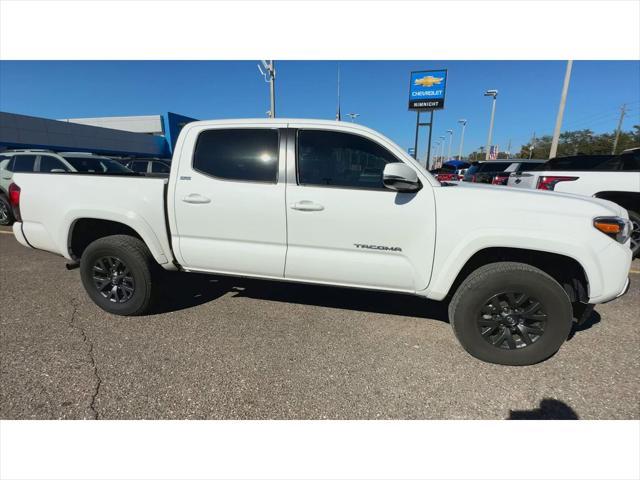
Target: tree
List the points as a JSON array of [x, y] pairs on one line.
[[582, 142]]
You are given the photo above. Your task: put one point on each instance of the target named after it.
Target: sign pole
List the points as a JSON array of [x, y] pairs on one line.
[[415, 144], [429, 141]]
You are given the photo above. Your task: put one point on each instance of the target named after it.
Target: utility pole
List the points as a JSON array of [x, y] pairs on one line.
[[269, 75], [623, 110], [509, 149], [563, 101], [338, 116], [494, 94], [464, 124]]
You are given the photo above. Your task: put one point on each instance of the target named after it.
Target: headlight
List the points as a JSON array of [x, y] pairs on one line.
[[617, 228]]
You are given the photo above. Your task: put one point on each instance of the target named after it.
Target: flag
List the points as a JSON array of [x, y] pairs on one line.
[[493, 152]]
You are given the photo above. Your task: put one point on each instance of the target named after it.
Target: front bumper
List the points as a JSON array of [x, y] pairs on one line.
[[624, 290]]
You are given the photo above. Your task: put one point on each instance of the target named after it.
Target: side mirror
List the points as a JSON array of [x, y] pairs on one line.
[[400, 177]]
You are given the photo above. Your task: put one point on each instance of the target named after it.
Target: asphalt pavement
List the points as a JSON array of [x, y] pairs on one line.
[[227, 348]]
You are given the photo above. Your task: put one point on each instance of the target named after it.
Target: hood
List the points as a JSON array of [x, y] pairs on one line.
[[540, 200]]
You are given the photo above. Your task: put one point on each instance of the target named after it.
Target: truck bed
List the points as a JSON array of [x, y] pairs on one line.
[[50, 204]]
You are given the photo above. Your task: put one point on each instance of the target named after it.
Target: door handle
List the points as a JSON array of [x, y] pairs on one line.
[[518, 180], [307, 206], [196, 198]]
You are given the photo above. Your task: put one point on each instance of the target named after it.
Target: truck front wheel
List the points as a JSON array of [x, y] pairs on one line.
[[116, 272], [511, 314]]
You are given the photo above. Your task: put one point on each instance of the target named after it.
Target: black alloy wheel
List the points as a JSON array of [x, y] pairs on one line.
[[512, 320], [113, 279]]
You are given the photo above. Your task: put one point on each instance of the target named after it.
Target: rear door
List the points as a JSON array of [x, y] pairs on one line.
[[229, 200]]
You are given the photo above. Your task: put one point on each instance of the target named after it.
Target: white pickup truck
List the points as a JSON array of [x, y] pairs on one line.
[[335, 203], [612, 177]]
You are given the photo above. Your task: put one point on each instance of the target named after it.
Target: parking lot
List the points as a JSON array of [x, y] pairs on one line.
[[226, 348]]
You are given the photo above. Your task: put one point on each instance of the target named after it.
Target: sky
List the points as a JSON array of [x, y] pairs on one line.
[[528, 98]]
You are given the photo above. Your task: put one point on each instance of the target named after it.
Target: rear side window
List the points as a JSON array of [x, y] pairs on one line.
[[238, 154], [159, 167], [24, 163], [337, 159], [49, 163], [138, 166]]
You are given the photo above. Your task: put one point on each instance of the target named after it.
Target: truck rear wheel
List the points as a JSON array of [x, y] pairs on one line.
[[511, 314], [116, 272], [6, 215]]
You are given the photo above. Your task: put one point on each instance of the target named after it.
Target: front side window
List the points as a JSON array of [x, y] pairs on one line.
[[238, 154], [23, 163], [49, 163], [337, 159], [631, 161]]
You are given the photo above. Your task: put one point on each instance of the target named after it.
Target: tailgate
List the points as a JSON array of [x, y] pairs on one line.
[[523, 179]]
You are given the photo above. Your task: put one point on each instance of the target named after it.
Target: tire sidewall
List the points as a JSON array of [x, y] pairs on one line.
[[546, 290], [139, 270], [7, 205]]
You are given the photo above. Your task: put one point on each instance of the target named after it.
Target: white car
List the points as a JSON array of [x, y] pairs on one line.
[[336, 203], [615, 178]]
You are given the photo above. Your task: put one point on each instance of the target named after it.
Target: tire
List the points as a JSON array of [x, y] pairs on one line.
[[126, 261], [6, 213], [493, 326], [635, 233]]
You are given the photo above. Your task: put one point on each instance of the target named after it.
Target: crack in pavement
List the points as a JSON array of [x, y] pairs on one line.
[[75, 325]]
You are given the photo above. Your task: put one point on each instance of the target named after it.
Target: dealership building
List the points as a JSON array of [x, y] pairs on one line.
[[130, 136]]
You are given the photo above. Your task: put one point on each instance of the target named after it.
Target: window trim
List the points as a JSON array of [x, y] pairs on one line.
[[297, 166], [240, 127]]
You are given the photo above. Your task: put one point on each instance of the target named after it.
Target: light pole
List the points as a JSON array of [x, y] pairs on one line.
[[463, 122], [269, 75], [437, 150], [450, 132], [494, 94], [442, 142], [353, 116], [563, 101]]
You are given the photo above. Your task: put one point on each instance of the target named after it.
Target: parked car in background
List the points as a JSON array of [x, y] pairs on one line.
[[612, 177], [90, 163], [299, 201], [150, 166], [501, 178], [445, 173]]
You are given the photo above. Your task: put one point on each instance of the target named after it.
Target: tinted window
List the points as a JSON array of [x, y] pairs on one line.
[[527, 166], [489, 167], [24, 163], [340, 159], [138, 166], [159, 167], [631, 161], [580, 162], [95, 164], [48, 163], [238, 154]]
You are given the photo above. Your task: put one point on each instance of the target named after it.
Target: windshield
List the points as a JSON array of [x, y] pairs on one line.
[[96, 165]]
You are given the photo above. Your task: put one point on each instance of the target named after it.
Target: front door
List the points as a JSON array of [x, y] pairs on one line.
[[344, 226], [229, 201]]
